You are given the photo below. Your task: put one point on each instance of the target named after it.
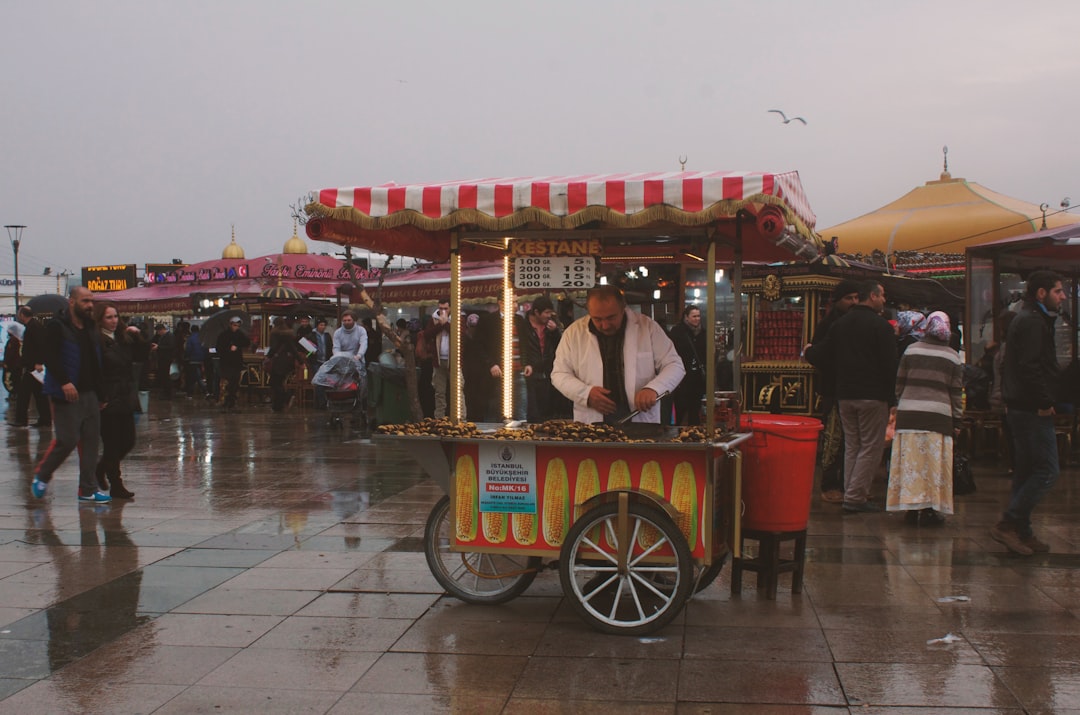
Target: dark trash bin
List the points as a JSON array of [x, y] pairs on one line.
[[387, 395]]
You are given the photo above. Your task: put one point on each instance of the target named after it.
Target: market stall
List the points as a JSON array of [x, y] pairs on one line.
[[786, 303], [637, 521]]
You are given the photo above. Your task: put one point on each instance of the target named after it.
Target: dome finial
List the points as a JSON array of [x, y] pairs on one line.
[[295, 244], [945, 172], [233, 250]]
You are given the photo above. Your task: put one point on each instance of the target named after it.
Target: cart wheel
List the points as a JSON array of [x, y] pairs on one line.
[[473, 577], [647, 594]]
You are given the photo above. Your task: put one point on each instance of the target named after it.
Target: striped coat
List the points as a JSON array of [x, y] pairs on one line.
[[929, 386]]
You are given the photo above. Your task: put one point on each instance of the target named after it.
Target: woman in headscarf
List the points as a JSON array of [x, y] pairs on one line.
[[121, 346], [929, 384], [909, 329]]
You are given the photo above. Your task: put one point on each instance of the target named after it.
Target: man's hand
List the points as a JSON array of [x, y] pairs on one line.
[[527, 371], [645, 399], [70, 393], [496, 371], [1046, 413], [599, 400]]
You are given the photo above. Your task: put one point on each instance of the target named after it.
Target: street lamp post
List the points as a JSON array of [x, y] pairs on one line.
[[15, 234]]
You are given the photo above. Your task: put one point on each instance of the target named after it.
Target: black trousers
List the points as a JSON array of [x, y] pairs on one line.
[[278, 395], [231, 375], [117, 439], [687, 400], [29, 386]]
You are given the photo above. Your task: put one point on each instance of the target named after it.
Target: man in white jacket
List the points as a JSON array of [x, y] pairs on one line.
[[615, 361]]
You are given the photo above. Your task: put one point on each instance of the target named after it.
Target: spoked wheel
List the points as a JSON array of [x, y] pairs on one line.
[[473, 577], [626, 576]]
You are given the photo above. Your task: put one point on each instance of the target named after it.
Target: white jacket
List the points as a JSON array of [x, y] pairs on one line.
[[649, 360]]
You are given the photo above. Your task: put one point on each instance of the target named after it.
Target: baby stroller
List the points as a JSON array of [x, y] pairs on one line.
[[345, 383]]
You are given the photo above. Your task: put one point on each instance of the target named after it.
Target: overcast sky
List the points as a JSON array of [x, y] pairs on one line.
[[142, 131]]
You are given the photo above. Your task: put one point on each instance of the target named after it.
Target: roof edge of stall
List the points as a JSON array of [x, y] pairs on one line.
[[416, 220]]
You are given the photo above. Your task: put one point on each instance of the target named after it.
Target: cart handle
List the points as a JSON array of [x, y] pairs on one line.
[[733, 443]]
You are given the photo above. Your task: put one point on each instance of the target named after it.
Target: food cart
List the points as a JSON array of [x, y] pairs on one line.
[[637, 518]]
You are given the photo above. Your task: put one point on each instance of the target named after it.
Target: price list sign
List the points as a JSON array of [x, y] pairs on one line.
[[554, 272]]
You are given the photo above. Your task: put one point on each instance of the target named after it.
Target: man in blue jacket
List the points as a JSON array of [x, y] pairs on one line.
[[72, 383], [1030, 389]]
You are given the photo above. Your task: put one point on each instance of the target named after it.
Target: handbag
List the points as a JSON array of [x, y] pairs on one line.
[[962, 479]]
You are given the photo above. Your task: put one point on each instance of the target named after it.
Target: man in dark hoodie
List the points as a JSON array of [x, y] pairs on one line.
[[1031, 384], [72, 383]]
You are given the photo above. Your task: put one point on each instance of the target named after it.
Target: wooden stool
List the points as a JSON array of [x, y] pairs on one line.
[[768, 565]]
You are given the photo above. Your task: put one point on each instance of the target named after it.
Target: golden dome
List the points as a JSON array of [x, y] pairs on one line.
[[233, 250], [295, 244]]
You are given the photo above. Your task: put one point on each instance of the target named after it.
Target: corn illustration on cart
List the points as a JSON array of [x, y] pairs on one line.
[[635, 528]]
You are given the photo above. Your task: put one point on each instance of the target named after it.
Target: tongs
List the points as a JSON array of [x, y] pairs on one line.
[[635, 413]]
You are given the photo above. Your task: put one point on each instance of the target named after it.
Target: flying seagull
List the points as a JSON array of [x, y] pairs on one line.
[[786, 120]]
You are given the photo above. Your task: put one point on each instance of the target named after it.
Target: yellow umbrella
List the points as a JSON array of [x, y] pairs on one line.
[[942, 216]]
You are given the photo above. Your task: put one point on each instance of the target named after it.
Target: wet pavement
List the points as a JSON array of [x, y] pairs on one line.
[[274, 563]]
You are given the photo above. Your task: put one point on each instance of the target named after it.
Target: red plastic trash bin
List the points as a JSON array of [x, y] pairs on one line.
[[778, 471]]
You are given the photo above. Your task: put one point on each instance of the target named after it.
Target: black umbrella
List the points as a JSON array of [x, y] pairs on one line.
[[49, 303], [219, 322]]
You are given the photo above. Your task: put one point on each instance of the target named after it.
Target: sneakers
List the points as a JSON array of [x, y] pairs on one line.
[[1036, 544], [1012, 541], [861, 507], [96, 498], [833, 496], [38, 488]]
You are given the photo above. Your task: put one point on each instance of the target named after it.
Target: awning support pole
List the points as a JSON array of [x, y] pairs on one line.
[[454, 381]]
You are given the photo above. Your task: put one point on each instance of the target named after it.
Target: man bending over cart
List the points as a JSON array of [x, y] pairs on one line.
[[615, 361]]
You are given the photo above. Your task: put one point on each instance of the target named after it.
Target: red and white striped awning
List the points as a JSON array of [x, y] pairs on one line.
[[398, 219]]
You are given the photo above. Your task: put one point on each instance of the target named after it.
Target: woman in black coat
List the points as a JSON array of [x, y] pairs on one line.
[[282, 356], [121, 347]]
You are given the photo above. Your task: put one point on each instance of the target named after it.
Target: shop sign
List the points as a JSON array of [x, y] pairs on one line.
[[555, 247], [554, 272], [109, 278], [157, 273], [507, 473], [207, 273]]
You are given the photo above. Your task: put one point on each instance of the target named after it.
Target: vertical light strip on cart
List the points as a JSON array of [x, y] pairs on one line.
[[509, 308], [457, 408]]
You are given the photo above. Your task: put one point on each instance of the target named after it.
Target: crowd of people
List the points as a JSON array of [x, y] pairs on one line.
[[900, 387], [886, 385]]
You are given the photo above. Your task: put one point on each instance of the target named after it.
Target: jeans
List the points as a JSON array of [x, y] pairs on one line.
[[1035, 458]]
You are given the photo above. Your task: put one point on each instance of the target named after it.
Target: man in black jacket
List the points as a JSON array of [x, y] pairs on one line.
[[1030, 389], [33, 358], [862, 347], [845, 294], [73, 382], [689, 340], [230, 348], [539, 339]]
